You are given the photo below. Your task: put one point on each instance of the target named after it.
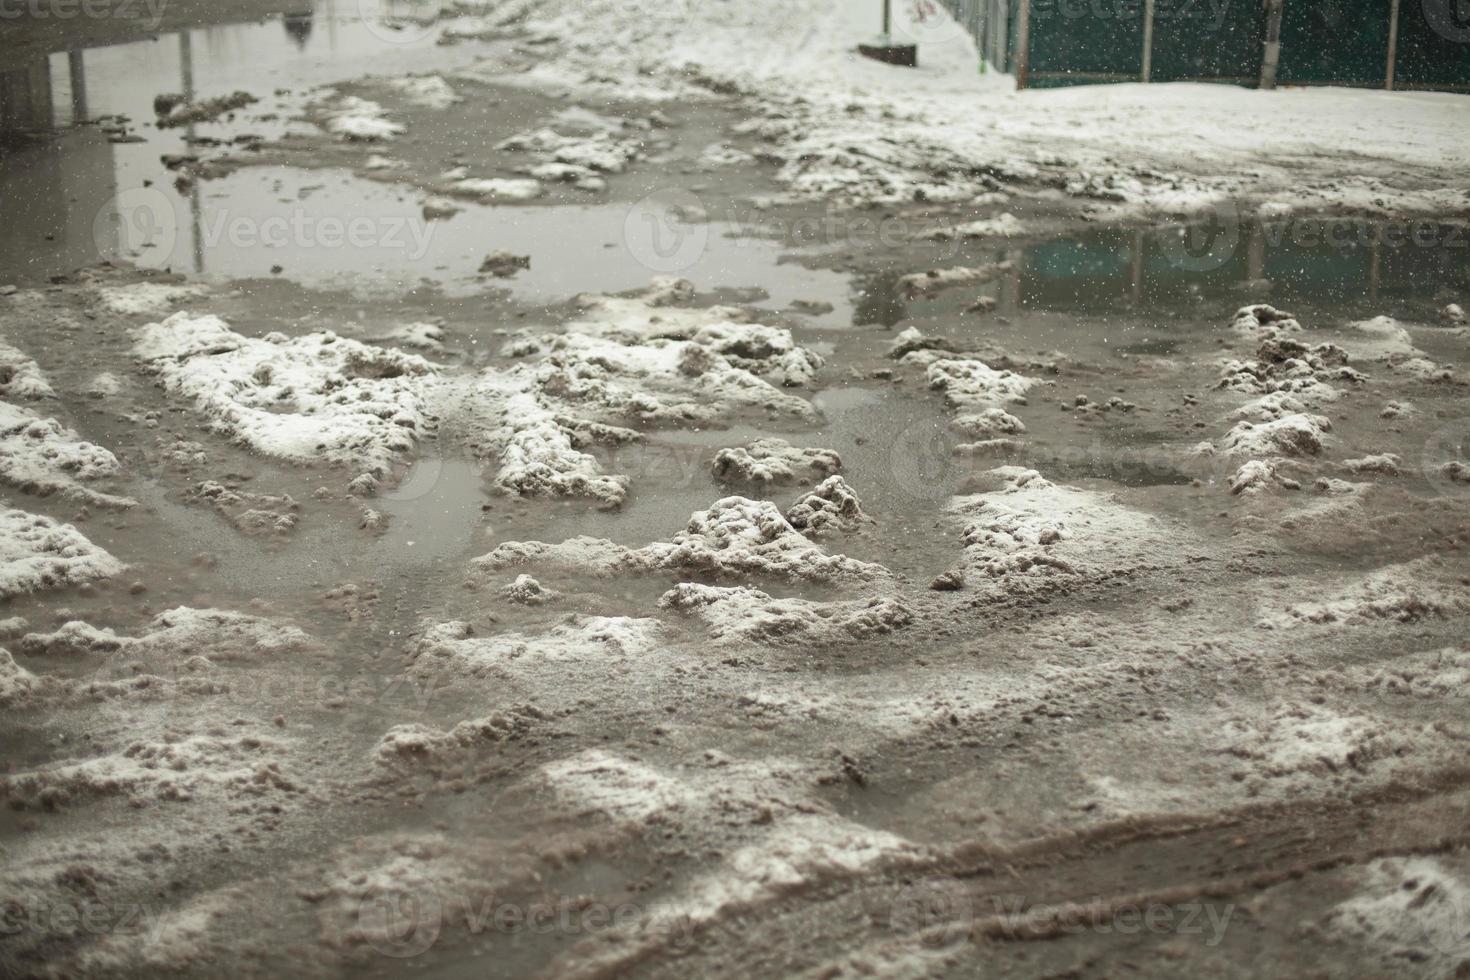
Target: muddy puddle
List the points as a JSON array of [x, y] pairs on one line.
[[791, 596], [60, 189]]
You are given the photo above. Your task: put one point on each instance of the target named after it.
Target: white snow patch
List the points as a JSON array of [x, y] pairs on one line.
[[20, 376], [429, 91], [492, 189], [1414, 912], [736, 536], [314, 398], [38, 553], [742, 615], [43, 457], [356, 119], [1291, 435], [152, 298], [773, 461], [455, 646]]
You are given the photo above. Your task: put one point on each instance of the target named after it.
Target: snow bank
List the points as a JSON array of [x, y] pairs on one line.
[[1258, 476], [973, 385], [419, 335], [16, 683], [1289, 377], [791, 839], [629, 360], [580, 147], [843, 126], [1386, 340], [415, 747], [662, 312], [538, 451], [492, 189], [526, 591]]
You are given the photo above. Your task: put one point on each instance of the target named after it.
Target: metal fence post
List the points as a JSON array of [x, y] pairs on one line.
[[1393, 44], [1148, 41], [1272, 56], [1023, 43]]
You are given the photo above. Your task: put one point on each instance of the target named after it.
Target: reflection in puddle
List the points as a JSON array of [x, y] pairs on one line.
[[1119, 270], [1328, 260], [1309, 258], [432, 512], [58, 190], [329, 229]]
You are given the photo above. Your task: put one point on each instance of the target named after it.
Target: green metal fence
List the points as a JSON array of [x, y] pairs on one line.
[[1404, 44]]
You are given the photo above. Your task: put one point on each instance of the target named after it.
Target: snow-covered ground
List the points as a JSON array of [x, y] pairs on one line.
[[855, 129]]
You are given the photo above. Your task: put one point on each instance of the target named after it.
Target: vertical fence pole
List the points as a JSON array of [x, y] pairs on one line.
[[1393, 44], [1023, 43], [1148, 41], [78, 72], [887, 18], [1272, 56]]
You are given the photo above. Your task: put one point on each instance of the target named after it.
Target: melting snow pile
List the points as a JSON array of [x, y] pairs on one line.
[[43, 457], [1290, 435], [745, 615], [455, 646], [1402, 593], [20, 376], [429, 91], [1032, 536], [735, 537], [830, 506], [352, 118], [1411, 910], [305, 399], [38, 553], [773, 461], [626, 361], [580, 147]]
